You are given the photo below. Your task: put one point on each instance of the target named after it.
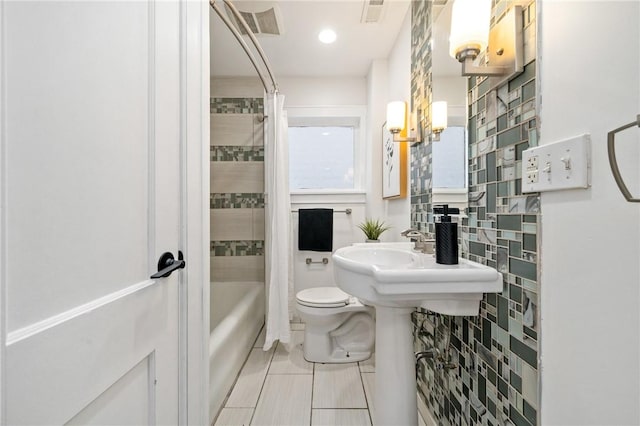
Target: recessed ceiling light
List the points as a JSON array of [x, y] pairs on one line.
[[327, 36]]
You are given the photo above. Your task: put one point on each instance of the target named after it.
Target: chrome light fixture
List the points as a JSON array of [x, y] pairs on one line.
[[470, 35], [403, 128]]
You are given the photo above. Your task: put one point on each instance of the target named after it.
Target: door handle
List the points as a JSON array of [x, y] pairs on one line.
[[167, 264]]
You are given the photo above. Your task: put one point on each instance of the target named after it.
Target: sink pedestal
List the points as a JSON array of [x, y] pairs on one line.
[[395, 400]]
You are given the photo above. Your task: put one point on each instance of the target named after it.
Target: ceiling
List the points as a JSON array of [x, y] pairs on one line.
[[297, 52]]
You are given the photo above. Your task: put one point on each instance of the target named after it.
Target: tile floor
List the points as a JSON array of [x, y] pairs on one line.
[[281, 388]]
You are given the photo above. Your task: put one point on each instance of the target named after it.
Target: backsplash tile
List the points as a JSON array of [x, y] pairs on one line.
[[494, 380]]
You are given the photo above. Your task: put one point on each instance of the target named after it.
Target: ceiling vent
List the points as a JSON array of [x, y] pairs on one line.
[[263, 18], [372, 11]]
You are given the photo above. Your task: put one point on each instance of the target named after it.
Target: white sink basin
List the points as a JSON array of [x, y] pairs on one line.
[[394, 276]]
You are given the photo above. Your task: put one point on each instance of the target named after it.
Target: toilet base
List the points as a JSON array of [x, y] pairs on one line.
[[336, 334], [322, 347], [341, 358]]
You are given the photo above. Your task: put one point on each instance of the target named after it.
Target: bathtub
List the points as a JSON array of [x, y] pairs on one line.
[[237, 316]]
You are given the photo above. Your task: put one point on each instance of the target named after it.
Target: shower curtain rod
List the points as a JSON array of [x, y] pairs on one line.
[[254, 40], [244, 45]]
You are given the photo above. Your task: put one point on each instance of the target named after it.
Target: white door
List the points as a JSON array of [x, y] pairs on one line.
[[93, 173]]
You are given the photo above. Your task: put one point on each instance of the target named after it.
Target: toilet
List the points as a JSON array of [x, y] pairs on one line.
[[338, 327]]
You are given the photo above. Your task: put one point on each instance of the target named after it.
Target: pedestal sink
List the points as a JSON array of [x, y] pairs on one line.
[[397, 280]]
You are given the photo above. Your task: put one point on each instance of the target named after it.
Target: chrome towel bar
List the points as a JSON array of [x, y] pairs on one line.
[[347, 211], [611, 149]]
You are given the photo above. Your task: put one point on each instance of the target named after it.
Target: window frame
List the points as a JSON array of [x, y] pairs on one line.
[[334, 116]]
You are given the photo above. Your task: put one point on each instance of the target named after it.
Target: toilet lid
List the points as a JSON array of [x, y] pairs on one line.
[[323, 297]]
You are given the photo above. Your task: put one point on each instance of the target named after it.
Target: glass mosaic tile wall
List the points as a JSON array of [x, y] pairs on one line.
[[237, 194], [489, 371], [421, 153]]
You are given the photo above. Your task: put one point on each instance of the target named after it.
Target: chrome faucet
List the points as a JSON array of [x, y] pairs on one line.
[[424, 243], [431, 353]]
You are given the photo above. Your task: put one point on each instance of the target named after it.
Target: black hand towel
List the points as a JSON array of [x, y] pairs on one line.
[[315, 229]]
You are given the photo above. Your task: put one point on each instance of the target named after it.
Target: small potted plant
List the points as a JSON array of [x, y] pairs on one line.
[[373, 229]]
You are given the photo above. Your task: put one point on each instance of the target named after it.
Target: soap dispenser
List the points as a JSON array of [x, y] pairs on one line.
[[446, 236]]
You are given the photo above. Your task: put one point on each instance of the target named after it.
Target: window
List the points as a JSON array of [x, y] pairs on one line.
[[321, 157], [326, 153], [450, 160]]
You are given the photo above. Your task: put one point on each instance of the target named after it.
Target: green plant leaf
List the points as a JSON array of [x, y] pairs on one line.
[[373, 228]]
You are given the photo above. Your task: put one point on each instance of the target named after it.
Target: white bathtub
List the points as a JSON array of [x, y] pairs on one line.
[[237, 315]]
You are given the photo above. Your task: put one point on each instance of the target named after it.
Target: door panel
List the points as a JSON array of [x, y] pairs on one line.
[[135, 386], [78, 133], [93, 101], [59, 368]]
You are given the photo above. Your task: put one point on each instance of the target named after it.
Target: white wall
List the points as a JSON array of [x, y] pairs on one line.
[[589, 63], [389, 80], [323, 91], [319, 97], [400, 63], [398, 212], [345, 233], [377, 86]]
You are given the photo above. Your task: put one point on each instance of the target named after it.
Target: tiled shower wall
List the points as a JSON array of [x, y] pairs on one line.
[[237, 189], [491, 374]]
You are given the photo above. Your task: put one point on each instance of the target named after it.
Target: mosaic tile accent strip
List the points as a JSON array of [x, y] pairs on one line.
[[236, 153], [237, 248], [490, 375], [236, 105], [236, 201]]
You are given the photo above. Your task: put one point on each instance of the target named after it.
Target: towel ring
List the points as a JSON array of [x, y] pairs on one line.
[[614, 163]]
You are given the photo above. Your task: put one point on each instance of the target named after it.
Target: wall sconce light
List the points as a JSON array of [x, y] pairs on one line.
[[438, 119], [470, 35], [403, 128]]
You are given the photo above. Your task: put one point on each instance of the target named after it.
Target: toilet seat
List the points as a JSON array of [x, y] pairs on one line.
[[323, 297]]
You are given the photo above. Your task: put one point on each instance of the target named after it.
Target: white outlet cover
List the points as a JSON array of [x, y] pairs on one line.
[[564, 164]]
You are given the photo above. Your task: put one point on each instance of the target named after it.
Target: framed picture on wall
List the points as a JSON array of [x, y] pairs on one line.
[[394, 166]]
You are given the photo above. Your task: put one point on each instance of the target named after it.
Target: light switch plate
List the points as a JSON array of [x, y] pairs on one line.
[[559, 165]]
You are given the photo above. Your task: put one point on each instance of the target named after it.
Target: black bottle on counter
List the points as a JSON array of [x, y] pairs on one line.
[[446, 236]]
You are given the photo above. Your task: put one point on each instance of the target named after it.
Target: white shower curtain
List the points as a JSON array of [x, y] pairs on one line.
[[278, 227]]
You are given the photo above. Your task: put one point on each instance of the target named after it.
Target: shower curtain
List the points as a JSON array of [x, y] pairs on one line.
[[278, 227]]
